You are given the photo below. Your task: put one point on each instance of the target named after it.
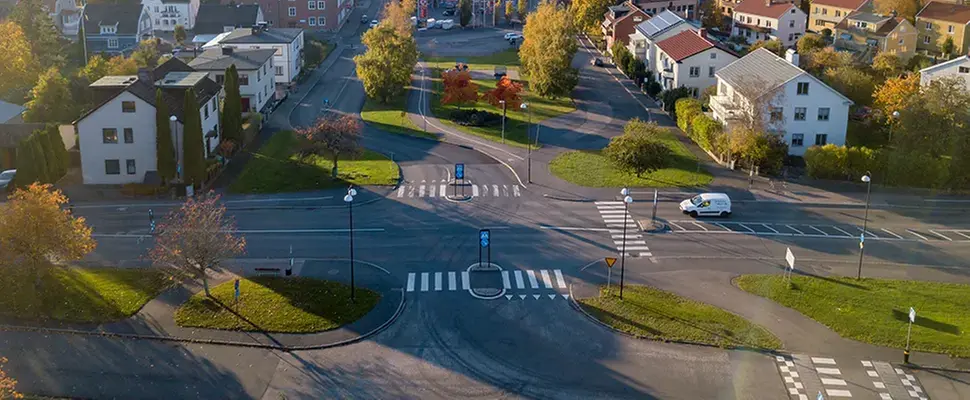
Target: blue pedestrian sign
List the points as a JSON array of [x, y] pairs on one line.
[[236, 284], [484, 236], [459, 171]]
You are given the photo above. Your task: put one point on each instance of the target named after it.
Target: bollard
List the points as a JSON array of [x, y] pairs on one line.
[[905, 356]]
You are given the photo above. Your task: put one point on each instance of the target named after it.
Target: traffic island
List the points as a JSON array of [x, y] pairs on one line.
[[876, 311], [646, 312], [486, 281], [458, 192]]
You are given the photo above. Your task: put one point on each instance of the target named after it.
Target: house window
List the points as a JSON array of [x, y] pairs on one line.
[[112, 167], [768, 23], [797, 139], [127, 106], [279, 71], [964, 70], [112, 43], [823, 113], [130, 166], [816, 10], [777, 114], [838, 13], [929, 25], [243, 79], [312, 21], [109, 135], [292, 11], [205, 110], [710, 71], [949, 29], [802, 88], [791, 24], [129, 135], [220, 79], [819, 22], [713, 55], [926, 40], [900, 42], [322, 21], [860, 24], [311, 5], [800, 113], [695, 72], [108, 30], [821, 139], [321, 5], [791, 36], [825, 11]]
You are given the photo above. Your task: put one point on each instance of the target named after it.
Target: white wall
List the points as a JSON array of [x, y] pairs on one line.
[[187, 12], [94, 152], [653, 50], [704, 61], [212, 122], [792, 26], [259, 90], [938, 71]]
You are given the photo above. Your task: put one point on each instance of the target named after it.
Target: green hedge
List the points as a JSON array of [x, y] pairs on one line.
[[686, 109], [893, 168]]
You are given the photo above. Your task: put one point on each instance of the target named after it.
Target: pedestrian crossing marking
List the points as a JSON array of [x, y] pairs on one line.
[[627, 238], [431, 190], [474, 191], [464, 280], [410, 282], [505, 280], [442, 190], [421, 191], [435, 281], [451, 281], [562, 282], [532, 278], [519, 284], [545, 279], [424, 281]]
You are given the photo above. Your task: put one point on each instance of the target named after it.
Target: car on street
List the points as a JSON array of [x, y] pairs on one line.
[[513, 36], [6, 177], [597, 62], [373, 23], [707, 204], [363, 19]]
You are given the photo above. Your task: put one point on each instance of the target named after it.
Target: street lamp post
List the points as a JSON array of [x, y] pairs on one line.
[[349, 199], [626, 202], [865, 222], [178, 149], [891, 125], [528, 138], [503, 120]]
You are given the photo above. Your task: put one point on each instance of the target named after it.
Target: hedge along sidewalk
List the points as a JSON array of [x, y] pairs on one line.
[[876, 311], [276, 167], [392, 117]]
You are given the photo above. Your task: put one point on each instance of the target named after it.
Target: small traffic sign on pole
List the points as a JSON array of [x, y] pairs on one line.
[[819, 397], [610, 261], [912, 315], [459, 171], [484, 239], [236, 294], [909, 331], [609, 271]]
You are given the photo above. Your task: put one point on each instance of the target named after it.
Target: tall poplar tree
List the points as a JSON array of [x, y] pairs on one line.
[[164, 150]]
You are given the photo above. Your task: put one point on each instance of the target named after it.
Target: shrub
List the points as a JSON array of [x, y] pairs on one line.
[[705, 131], [686, 109], [653, 88], [840, 162], [913, 169], [475, 118], [775, 157], [639, 152], [669, 98], [141, 190]]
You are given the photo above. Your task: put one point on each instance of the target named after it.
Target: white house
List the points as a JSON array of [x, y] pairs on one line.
[[653, 30], [257, 79], [117, 137], [691, 59], [288, 43], [167, 13], [791, 102], [768, 20], [959, 67]]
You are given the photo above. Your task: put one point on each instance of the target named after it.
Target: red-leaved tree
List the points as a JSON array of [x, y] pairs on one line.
[[334, 137], [459, 88], [507, 90], [8, 385]]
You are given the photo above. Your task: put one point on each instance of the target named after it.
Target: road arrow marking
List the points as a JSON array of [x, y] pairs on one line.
[[536, 296], [552, 297], [522, 296], [565, 296], [508, 297]]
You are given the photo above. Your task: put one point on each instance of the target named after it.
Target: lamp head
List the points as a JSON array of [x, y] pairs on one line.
[[628, 200], [172, 118], [524, 106], [895, 114], [348, 198], [625, 191], [865, 178], [352, 192]]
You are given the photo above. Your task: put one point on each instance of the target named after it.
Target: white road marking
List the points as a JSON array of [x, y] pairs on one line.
[[411, 282], [629, 248], [821, 360], [840, 230], [891, 233], [505, 280], [452, 284], [421, 191], [722, 226], [838, 393], [545, 279], [495, 190], [940, 235], [400, 191], [505, 190], [917, 235], [828, 371], [629, 242], [796, 230], [431, 190], [699, 225], [424, 281], [770, 228], [746, 227], [629, 225], [411, 191], [601, 208], [609, 203], [868, 233], [474, 190], [519, 284], [442, 190], [437, 281], [522, 296], [819, 230], [678, 226], [464, 280], [560, 279], [532, 279], [515, 191], [872, 374], [619, 211], [573, 228], [867, 364], [961, 234]]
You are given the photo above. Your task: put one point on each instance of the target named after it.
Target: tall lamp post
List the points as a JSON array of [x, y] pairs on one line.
[[891, 125], [627, 200], [349, 199], [865, 222], [528, 137], [178, 148], [503, 120]]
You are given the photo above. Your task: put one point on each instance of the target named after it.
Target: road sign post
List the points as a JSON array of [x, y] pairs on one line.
[[484, 241], [790, 257], [235, 298], [460, 175], [656, 194], [909, 331], [609, 271]]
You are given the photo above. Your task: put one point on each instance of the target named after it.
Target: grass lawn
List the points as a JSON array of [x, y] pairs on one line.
[[516, 123], [876, 310], [593, 169], [80, 294], [392, 117], [272, 304], [276, 167], [656, 314], [508, 58]]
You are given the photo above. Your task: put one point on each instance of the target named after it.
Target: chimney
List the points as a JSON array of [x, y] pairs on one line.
[[893, 13], [702, 33], [767, 3], [145, 74], [255, 29], [227, 51], [792, 56]]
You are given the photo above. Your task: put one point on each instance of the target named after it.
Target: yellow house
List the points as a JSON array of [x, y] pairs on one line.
[[938, 21], [868, 34], [826, 14]]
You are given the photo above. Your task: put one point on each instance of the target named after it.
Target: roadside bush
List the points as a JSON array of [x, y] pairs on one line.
[[669, 98], [475, 118], [638, 151], [687, 108], [775, 156], [913, 169], [654, 89], [705, 131], [141, 190], [840, 162]]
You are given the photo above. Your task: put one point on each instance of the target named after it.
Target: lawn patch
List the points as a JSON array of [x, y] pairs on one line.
[[655, 314], [74, 294], [273, 304], [508, 58], [276, 167], [876, 310], [392, 117]]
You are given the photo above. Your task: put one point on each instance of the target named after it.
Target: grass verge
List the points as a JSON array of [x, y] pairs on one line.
[[655, 314], [272, 304], [392, 117], [593, 169], [508, 58], [876, 310], [276, 167], [73, 294]]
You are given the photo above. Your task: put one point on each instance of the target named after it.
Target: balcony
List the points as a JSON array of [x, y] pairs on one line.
[[725, 108]]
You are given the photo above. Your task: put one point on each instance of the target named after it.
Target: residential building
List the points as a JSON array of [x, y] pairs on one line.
[[868, 34], [313, 15], [659, 27], [685, 8], [288, 43], [115, 29], [620, 21], [10, 112], [826, 14], [117, 137], [691, 59], [764, 89], [257, 80], [10, 136], [957, 67], [66, 15], [214, 19], [166, 14], [768, 20], [938, 21]]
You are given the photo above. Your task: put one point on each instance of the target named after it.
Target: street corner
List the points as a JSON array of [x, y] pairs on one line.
[[593, 276], [361, 273]]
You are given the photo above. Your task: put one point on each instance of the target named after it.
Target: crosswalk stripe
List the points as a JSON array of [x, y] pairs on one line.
[[628, 235], [431, 190], [629, 225], [616, 220], [400, 191], [411, 282], [515, 191], [424, 281], [532, 279], [617, 211], [410, 191], [505, 280], [610, 208], [464, 280], [838, 393], [437, 281], [562, 281], [828, 371], [451, 280], [518, 280], [421, 191], [608, 203], [833, 382], [442, 191], [495, 190], [474, 190], [822, 360], [628, 248], [545, 279], [505, 190]]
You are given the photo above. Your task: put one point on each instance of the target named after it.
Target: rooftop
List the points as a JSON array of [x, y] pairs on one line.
[[659, 23], [761, 72], [213, 18], [181, 79], [267, 35], [115, 81], [124, 15], [217, 59], [958, 13], [850, 4], [764, 8], [686, 44]]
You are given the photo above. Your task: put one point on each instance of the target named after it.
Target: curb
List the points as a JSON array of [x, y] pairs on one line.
[[932, 368], [561, 198]]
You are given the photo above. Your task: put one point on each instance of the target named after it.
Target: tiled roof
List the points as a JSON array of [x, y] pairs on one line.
[[850, 4], [214, 59], [213, 18], [958, 13], [761, 72], [659, 23], [684, 44], [763, 8], [125, 15], [885, 29], [270, 35]]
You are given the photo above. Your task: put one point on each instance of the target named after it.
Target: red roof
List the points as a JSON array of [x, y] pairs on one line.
[[764, 8], [850, 4], [684, 44]]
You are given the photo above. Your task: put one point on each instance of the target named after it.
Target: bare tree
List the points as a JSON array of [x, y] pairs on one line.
[[196, 238], [333, 137]]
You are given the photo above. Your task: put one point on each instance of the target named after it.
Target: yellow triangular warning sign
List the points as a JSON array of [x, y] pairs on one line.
[[610, 261]]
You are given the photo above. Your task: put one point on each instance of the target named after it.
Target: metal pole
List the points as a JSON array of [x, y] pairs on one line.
[[623, 250], [909, 331], [865, 225], [656, 194], [503, 121], [352, 285], [529, 139], [609, 277]]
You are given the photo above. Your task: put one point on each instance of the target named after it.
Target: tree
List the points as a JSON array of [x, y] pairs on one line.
[[45, 42], [775, 46], [713, 17], [120, 65], [334, 137], [918, 62], [522, 8], [509, 11], [497, 12], [18, 67], [180, 34], [50, 100], [147, 53], [385, 68], [27, 168], [903, 8], [853, 83], [888, 65], [35, 230], [8, 385], [464, 12], [164, 150], [39, 151], [947, 47], [810, 43], [547, 51], [819, 61], [687, 108], [96, 68], [397, 14], [669, 98], [197, 238], [58, 156], [193, 155], [638, 148], [749, 145], [458, 88], [232, 108], [589, 13], [505, 90]]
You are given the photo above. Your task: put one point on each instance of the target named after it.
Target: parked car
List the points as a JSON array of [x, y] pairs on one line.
[[513, 36], [710, 204], [6, 177], [597, 62], [363, 19], [373, 23]]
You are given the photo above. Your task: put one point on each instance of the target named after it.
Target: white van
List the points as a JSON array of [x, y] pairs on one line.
[[716, 204]]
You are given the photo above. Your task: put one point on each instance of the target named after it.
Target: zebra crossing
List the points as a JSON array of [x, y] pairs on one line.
[[623, 229], [512, 281], [443, 188], [806, 376], [820, 230]]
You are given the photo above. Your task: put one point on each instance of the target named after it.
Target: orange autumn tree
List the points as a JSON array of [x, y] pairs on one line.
[[507, 90], [459, 88]]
